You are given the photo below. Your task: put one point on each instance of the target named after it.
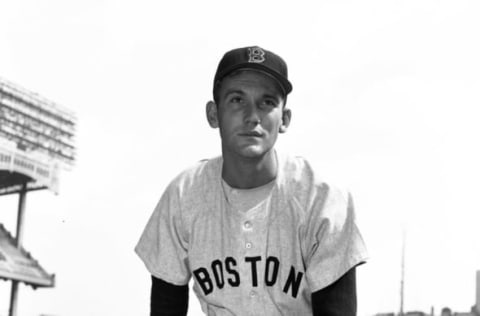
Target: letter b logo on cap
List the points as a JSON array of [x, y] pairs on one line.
[[256, 55]]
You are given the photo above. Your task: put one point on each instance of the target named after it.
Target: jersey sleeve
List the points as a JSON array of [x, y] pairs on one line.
[[163, 245], [334, 242]]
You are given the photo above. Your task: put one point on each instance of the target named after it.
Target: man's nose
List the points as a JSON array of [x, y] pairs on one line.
[[251, 114]]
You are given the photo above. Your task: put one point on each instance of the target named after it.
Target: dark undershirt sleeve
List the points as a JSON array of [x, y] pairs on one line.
[[337, 299], [167, 299]]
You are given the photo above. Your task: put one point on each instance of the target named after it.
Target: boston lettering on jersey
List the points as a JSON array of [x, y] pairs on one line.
[[225, 272]]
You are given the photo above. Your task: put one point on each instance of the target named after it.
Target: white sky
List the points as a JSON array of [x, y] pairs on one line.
[[385, 101]]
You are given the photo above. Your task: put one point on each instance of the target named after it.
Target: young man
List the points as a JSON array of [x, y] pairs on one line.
[[260, 232]]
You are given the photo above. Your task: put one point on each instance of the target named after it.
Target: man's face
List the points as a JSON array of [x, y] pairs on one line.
[[250, 113]]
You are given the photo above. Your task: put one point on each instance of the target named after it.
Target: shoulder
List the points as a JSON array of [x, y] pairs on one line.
[[187, 190], [196, 176], [318, 195], [299, 174]]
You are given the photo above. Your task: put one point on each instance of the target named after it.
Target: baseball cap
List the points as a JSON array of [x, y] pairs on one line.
[[256, 58]]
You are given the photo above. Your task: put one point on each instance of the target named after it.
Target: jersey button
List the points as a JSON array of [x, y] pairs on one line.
[[248, 245], [247, 225]]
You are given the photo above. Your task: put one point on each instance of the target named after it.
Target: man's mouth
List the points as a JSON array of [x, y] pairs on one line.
[[251, 134]]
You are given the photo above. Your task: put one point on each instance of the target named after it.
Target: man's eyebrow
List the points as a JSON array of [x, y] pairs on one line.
[[231, 91], [265, 95], [272, 96]]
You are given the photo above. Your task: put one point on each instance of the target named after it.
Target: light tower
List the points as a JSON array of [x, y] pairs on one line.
[[402, 278], [476, 307], [36, 141]]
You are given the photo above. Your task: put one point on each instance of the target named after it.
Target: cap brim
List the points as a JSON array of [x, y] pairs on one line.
[[284, 83]]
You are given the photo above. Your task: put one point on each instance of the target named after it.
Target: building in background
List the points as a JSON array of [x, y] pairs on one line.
[[475, 310], [416, 313], [36, 142]]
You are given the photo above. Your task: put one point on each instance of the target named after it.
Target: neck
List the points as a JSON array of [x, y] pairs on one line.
[[247, 173]]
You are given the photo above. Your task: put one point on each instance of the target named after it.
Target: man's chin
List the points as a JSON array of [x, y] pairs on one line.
[[252, 152]]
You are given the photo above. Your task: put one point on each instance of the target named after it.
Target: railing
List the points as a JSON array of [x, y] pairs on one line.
[[40, 169]]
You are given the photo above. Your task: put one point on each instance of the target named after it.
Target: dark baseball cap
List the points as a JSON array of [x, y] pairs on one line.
[[256, 58]]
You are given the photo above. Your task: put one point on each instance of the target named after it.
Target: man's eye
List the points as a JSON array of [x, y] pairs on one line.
[[236, 100], [270, 102]]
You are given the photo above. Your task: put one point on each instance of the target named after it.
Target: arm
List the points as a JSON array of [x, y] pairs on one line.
[[337, 299], [167, 299]]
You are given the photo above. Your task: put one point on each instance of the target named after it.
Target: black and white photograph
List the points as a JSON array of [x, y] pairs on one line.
[[239, 158]]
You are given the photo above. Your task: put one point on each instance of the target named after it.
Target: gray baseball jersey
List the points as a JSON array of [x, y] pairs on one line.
[[251, 252]]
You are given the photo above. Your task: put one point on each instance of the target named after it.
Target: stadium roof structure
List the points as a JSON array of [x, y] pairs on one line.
[[17, 263], [18, 168], [36, 140]]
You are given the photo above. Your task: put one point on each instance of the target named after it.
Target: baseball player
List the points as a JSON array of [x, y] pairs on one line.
[[260, 231]]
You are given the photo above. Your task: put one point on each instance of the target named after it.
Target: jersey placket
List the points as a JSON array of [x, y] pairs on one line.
[[253, 242]]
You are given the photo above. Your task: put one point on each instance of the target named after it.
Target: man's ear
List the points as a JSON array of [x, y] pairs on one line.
[[286, 118], [212, 114]]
